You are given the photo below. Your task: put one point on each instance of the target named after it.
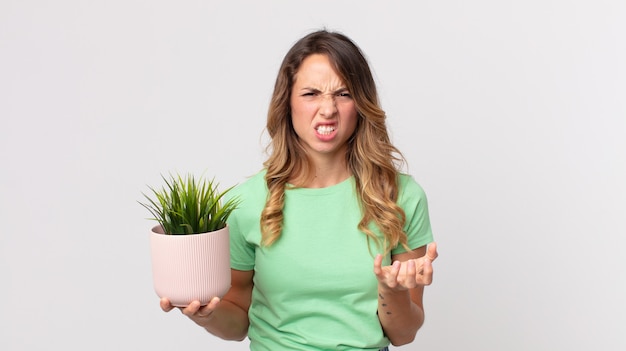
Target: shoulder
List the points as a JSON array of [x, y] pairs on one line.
[[251, 193], [409, 188], [255, 183]]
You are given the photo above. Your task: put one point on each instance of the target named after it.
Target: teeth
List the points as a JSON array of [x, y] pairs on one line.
[[325, 130]]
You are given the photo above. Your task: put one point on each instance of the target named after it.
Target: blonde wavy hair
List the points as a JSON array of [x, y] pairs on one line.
[[372, 159]]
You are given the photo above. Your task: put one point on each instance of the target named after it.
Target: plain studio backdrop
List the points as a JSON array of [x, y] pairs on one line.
[[511, 114]]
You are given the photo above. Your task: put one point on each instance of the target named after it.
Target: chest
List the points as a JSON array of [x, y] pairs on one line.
[[320, 252]]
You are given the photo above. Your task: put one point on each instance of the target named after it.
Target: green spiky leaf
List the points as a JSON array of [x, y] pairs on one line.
[[185, 205]]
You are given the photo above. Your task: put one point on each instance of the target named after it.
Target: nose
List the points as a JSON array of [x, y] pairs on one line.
[[328, 106]]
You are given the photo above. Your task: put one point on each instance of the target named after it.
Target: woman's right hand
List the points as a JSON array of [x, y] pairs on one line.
[[199, 314], [225, 317]]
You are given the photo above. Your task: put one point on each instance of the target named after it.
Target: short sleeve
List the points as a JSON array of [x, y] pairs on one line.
[[241, 253], [412, 199], [241, 250]]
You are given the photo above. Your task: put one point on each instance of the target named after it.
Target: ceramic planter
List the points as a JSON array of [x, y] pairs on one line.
[[190, 267]]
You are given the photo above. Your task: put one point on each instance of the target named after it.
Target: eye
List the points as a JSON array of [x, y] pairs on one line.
[[309, 93], [344, 94]]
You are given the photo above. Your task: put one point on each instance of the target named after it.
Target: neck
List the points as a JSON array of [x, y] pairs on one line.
[[324, 174], [324, 178]]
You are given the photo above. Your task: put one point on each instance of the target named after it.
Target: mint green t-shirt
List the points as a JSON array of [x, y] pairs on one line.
[[315, 288]]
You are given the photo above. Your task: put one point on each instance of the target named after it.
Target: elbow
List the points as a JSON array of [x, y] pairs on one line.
[[233, 332], [407, 339], [239, 338], [230, 336]]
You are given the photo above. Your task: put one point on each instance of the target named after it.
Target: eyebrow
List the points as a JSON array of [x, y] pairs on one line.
[[336, 91]]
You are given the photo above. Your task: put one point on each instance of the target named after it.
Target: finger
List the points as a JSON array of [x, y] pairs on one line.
[[409, 279], [431, 251], [191, 309], [206, 310], [213, 303], [392, 277], [378, 261], [395, 268], [166, 306], [427, 272]]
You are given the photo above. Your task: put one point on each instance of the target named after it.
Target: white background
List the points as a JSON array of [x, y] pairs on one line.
[[512, 116]]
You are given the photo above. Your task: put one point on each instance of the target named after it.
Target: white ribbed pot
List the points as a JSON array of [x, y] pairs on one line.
[[190, 267]]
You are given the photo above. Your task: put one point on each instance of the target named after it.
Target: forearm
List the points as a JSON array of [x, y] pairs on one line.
[[399, 316], [228, 321]]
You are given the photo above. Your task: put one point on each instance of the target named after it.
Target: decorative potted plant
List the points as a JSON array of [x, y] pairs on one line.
[[189, 247]]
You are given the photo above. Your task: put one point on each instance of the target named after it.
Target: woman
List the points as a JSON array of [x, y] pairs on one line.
[[317, 228]]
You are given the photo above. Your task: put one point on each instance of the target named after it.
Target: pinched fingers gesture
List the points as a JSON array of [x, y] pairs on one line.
[[408, 274]]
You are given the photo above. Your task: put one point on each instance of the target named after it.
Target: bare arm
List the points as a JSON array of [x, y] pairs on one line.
[[400, 292], [226, 318]]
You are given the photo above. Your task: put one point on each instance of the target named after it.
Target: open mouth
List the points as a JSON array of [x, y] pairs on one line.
[[325, 129]]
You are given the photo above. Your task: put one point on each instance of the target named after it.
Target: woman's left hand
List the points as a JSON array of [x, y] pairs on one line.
[[409, 274]]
